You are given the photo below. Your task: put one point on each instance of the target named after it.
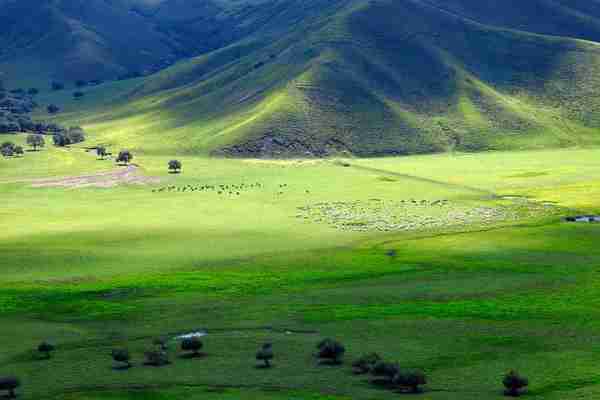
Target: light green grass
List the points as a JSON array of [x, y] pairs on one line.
[[94, 268]]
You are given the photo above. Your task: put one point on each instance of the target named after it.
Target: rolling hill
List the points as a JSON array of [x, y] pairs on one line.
[[384, 77]]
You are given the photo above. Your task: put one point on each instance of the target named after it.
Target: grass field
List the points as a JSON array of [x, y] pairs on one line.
[[92, 268]]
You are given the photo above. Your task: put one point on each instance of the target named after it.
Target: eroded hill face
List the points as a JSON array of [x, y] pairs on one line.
[[377, 77]]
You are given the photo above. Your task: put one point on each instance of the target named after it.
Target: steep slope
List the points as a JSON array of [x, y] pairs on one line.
[[69, 40], [373, 78]]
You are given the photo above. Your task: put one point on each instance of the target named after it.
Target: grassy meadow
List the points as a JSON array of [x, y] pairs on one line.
[[93, 268]]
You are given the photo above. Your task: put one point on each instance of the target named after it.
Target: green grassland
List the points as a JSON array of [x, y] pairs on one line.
[[94, 268]]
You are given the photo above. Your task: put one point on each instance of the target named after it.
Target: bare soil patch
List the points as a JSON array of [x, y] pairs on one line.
[[128, 175]]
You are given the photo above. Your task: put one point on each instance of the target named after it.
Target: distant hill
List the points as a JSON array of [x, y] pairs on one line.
[[362, 77], [68, 40]]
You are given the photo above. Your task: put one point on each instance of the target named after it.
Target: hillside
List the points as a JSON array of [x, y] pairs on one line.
[[90, 40]]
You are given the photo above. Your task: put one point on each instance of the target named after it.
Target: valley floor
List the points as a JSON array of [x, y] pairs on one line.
[[459, 264]]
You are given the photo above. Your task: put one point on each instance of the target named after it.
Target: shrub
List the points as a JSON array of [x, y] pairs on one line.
[[101, 151], [193, 345], [9, 384], [156, 358], [410, 380], [265, 354], [330, 351], [387, 370], [122, 356], [366, 363], [175, 166], [7, 149], [46, 349], [35, 141], [124, 157], [514, 383]]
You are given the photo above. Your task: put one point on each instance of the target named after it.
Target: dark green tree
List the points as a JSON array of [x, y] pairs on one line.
[[35, 141], [192, 344], [124, 157], [7, 149], [101, 152], [366, 363], [46, 349], [19, 151], [330, 351], [410, 380], [265, 354], [514, 383], [122, 356], [175, 166], [53, 109], [10, 384]]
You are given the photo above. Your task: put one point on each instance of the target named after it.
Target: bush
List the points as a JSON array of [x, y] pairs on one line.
[[46, 349], [366, 363], [9, 384], [7, 149], [387, 370], [330, 351], [122, 356], [265, 354], [175, 166], [514, 383], [156, 358], [193, 345], [124, 157], [410, 380]]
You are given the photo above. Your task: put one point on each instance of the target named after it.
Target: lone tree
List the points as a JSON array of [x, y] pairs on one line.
[[101, 152], [366, 363], [122, 356], [9, 384], [46, 349], [175, 166], [410, 380], [7, 149], [19, 151], [156, 358], [35, 141], [124, 157], [265, 354], [514, 383], [330, 351], [192, 344]]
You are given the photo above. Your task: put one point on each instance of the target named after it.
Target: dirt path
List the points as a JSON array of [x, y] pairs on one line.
[[123, 175]]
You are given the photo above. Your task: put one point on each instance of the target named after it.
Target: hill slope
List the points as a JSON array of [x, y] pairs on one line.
[[376, 78]]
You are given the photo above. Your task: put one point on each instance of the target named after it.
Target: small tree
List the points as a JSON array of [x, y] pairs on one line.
[[101, 152], [122, 356], [156, 358], [125, 157], [366, 363], [7, 149], [33, 91], [410, 380], [330, 351], [53, 109], [265, 354], [175, 166], [78, 95], [80, 83], [386, 370], [19, 151], [9, 384], [35, 141], [193, 345], [46, 349], [514, 383]]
